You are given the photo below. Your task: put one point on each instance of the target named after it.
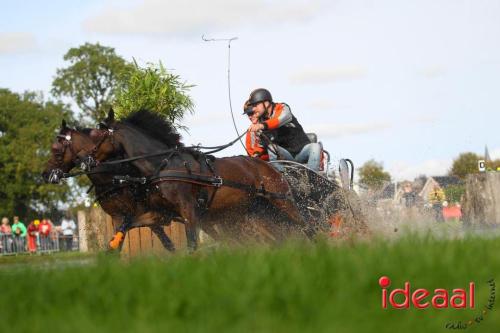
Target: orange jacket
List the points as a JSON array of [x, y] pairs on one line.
[[254, 147], [284, 130], [280, 116]]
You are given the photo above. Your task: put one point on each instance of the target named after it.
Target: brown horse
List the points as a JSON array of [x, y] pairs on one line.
[[128, 204], [201, 189]]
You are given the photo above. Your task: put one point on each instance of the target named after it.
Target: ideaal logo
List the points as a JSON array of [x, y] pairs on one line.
[[458, 298]]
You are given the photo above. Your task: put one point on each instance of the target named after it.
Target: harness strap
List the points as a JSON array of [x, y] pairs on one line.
[[214, 181], [164, 162], [203, 200], [217, 182]]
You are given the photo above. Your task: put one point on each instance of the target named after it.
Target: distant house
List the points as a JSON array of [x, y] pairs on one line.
[[393, 191], [441, 182], [387, 192]]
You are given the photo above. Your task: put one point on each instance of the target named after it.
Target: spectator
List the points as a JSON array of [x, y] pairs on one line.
[[436, 199], [5, 227], [54, 234], [409, 195], [19, 232], [5, 236], [44, 229], [33, 231], [410, 200], [68, 227]]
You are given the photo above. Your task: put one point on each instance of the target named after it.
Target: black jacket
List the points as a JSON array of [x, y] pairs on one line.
[[289, 134]]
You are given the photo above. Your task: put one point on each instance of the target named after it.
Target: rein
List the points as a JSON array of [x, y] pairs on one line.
[[81, 173], [214, 149], [172, 175], [271, 146]]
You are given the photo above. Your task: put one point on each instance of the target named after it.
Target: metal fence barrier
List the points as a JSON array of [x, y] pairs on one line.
[[15, 244], [49, 243], [10, 244]]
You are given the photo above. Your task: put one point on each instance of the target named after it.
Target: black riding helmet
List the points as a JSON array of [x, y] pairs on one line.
[[259, 95]]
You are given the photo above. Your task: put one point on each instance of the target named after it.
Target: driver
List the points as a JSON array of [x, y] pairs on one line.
[[287, 139]]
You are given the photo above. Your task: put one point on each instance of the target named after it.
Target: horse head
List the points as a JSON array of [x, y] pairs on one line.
[[72, 147], [140, 133]]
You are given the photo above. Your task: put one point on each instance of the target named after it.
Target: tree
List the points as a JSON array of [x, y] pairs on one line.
[[464, 164], [155, 89], [493, 165], [28, 127], [372, 175], [91, 79]]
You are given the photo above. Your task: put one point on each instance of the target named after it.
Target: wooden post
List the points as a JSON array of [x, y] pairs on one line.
[[82, 231], [482, 199], [98, 227], [178, 235], [96, 230]]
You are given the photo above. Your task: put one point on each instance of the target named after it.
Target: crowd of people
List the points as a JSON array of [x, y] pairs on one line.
[[38, 236]]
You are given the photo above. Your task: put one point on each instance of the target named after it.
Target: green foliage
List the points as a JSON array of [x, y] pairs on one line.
[[155, 89], [28, 127], [93, 74], [372, 175], [301, 287], [97, 78], [464, 164], [493, 165], [454, 193]]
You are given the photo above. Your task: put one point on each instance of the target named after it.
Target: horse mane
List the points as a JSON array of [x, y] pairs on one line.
[[154, 126]]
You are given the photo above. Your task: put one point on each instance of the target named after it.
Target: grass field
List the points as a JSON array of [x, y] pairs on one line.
[[297, 287]]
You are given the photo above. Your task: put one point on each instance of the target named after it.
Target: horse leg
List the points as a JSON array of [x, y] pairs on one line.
[[190, 214], [192, 239], [179, 198], [164, 239], [116, 243], [209, 229], [155, 221]]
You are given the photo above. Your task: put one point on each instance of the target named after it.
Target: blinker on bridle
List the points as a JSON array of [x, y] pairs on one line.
[[64, 137]]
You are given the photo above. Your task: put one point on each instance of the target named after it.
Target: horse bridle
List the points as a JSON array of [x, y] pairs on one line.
[[84, 158], [88, 161]]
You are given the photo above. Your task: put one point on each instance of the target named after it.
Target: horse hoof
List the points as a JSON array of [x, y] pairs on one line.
[[116, 241]]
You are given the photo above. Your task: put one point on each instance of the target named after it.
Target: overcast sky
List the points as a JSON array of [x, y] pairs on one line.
[[408, 83]]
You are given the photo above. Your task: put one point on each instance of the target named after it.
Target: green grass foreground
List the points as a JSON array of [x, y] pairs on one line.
[[296, 287]]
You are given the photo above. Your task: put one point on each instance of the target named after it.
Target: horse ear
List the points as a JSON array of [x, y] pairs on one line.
[[63, 124], [111, 116]]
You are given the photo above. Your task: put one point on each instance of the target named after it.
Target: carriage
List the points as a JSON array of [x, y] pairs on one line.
[[326, 195]]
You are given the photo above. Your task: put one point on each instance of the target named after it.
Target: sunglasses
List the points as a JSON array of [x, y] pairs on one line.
[[250, 113]]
